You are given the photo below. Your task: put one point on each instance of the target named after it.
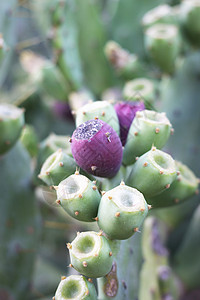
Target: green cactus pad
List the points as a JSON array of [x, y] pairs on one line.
[[57, 167], [184, 186], [98, 109], [148, 128], [79, 197], [75, 287], [121, 211], [140, 89], [152, 173], [90, 254], [30, 140], [11, 124], [162, 42]]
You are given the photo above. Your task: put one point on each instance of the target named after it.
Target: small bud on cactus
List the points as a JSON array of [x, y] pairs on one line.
[[79, 197], [126, 112], [121, 211], [153, 172], [57, 167], [11, 124], [148, 128], [96, 148], [163, 45], [75, 287], [90, 254], [102, 110]]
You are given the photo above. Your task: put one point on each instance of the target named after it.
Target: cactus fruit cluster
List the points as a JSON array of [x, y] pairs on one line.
[[99, 150]]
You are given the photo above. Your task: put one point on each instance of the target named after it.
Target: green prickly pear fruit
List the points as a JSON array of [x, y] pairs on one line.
[[153, 173], [183, 187], [162, 42], [159, 14], [11, 124], [30, 140], [127, 65], [91, 254], [102, 110], [148, 128], [57, 167], [79, 197], [140, 89], [75, 287], [121, 212]]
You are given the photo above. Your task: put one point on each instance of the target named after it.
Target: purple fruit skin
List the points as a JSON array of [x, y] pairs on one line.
[[126, 112], [100, 155]]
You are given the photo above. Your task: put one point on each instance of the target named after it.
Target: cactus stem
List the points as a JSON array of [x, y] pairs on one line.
[[90, 280], [85, 264], [80, 196], [63, 277], [69, 246], [157, 130], [145, 164], [94, 187], [109, 197], [167, 186], [58, 201], [117, 214], [110, 253], [61, 164], [76, 213]]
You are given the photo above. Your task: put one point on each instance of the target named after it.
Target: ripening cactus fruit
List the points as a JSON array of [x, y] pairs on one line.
[[148, 128], [57, 167], [97, 148], [162, 42], [75, 287], [79, 197], [11, 124], [126, 112], [153, 172], [102, 110], [91, 254], [121, 212]]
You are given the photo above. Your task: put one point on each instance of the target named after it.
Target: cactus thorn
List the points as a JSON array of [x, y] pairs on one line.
[[55, 187], [167, 186], [137, 158], [94, 187], [179, 179], [103, 113], [136, 133], [122, 182], [142, 209], [136, 229], [93, 168], [96, 219], [100, 233], [61, 164], [178, 173], [157, 130], [94, 181], [149, 206], [76, 213], [109, 197], [70, 140], [84, 264], [153, 148], [96, 254], [53, 298], [84, 113], [103, 193], [161, 172], [47, 173], [172, 131], [77, 171], [87, 292], [110, 253], [63, 277], [96, 118], [108, 136], [80, 196], [117, 214], [73, 112], [90, 280], [69, 246], [58, 201], [145, 164]]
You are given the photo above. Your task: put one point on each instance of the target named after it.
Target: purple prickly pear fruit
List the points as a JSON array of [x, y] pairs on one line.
[[97, 148], [126, 112], [62, 110]]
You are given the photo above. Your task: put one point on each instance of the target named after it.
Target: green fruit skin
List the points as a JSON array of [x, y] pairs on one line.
[[30, 140], [147, 179], [97, 266]]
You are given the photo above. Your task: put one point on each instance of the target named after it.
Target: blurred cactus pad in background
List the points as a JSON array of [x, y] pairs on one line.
[[99, 149]]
